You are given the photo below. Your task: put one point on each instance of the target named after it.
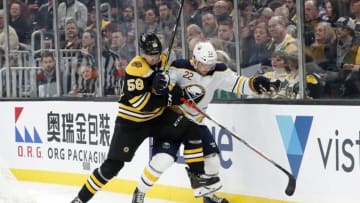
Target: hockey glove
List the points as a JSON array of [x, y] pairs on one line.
[[160, 83], [261, 84], [174, 95]]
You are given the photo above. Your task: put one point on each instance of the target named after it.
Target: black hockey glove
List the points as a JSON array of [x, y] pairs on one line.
[[160, 83], [262, 84], [174, 95]]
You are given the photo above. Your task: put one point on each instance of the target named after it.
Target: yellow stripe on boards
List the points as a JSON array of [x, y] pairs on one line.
[[165, 192]]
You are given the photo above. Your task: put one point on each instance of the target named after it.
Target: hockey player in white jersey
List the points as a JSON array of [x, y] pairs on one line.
[[199, 77]]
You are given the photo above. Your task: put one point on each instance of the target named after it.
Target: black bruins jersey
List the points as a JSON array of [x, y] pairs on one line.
[[137, 102]]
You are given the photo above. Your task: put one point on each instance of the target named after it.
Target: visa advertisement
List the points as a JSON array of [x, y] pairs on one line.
[[319, 145]]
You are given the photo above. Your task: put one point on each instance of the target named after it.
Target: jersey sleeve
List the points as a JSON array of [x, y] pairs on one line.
[[232, 82]]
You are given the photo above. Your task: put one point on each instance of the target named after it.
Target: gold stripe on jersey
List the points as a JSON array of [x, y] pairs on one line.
[[140, 101], [240, 85], [133, 114]]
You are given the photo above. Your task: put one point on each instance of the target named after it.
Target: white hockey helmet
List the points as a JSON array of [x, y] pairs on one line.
[[205, 53]]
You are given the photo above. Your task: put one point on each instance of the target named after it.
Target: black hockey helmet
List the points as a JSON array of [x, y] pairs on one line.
[[150, 44]]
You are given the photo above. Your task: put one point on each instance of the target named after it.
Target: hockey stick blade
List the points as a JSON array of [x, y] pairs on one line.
[[291, 186]]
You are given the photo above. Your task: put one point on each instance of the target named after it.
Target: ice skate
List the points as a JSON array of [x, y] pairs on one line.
[[203, 184], [214, 199], [76, 200], [138, 196]]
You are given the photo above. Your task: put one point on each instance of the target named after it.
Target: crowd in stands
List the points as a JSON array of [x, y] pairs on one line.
[[267, 43]]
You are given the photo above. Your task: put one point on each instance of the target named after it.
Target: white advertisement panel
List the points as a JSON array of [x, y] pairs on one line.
[[319, 145]]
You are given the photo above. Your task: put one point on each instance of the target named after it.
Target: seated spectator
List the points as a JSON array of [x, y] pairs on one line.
[[128, 21], [323, 52], [20, 23], [13, 40], [209, 25], [119, 73], [227, 35], [193, 31], [261, 49], [280, 38], [88, 79], [120, 45], [191, 11], [46, 79], [88, 45], [72, 36], [221, 8], [280, 71], [72, 9], [167, 18], [151, 20]]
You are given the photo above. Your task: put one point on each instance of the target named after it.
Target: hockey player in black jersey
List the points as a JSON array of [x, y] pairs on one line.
[[198, 78], [142, 108]]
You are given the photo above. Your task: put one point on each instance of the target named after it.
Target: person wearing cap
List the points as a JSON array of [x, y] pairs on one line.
[[344, 41]]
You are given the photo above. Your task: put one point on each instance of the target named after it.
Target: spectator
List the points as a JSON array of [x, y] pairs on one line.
[[44, 18], [323, 52], [167, 18], [20, 23], [355, 10], [33, 7], [72, 9], [119, 73], [331, 12], [88, 45], [209, 25], [193, 31], [46, 79], [13, 40], [151, 20], [261, 49], [128, 22], [291, 5], [280, 71], [119, 43], [191, 11], [220, 9], [264, 15], [280, 38], [311, 15], [344, 41], [284, 12], [227, 35], [72, 35], [88, 79]]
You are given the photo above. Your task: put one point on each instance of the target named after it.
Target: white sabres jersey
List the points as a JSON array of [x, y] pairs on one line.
[[201, 88]]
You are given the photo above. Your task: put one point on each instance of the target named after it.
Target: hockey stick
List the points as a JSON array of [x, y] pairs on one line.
[[173, 35], [290, 188]]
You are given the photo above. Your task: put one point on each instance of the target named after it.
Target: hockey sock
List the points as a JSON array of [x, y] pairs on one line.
[[152, 172], [99, 178], [195, 159]]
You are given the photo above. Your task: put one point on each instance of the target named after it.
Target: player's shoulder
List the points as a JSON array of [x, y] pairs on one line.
[[182, 64], [219, 68], [138, 67]]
